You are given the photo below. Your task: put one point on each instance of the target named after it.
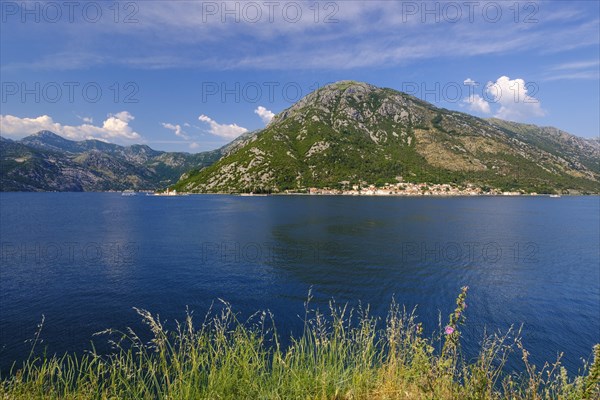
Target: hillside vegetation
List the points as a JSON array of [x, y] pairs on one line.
[[346, 354], [351, 132]]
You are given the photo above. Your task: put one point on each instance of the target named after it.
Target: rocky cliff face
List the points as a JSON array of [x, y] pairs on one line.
[[350, 132]]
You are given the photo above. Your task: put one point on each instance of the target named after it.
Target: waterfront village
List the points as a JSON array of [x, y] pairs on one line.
[[365, 189], [410, 189]]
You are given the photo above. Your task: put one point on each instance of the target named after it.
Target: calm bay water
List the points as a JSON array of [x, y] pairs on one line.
[[84, 260]]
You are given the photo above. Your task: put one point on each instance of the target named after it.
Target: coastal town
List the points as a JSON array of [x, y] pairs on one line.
[[345, 188], [412, 189], [364, 189]]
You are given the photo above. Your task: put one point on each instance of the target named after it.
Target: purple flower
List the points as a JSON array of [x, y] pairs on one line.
[[449, 330]]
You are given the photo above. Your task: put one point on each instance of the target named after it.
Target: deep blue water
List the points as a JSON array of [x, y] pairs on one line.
[[84, 260]]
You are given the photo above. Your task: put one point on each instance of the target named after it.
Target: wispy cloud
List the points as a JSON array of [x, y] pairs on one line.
[[576, 65], [177, 130], [87, 120], [360, 34], [585, 70]]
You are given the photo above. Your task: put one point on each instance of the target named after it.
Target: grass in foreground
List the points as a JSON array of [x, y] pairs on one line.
[[349, 355]]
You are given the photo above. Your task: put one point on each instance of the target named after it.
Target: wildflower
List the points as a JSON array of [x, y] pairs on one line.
[[449, 330], [419, 328]]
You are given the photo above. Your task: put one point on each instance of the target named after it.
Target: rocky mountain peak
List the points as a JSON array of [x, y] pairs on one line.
[[49, 141], [47, 134], [360, 104], [328, 97]]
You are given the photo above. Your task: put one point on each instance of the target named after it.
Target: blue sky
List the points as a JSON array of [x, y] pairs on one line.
[[192, 75]]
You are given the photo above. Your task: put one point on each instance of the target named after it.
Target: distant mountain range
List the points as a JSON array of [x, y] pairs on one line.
[[351, 133], [346, 133], [48, 162]]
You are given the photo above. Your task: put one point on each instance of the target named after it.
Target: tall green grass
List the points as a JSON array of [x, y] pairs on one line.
[[347, 354]]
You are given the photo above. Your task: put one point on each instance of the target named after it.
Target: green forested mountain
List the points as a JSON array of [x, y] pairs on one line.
[[351, 132]]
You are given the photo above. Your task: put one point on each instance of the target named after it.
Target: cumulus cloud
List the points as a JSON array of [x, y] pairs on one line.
[[20, 127], [513, 96], [230, 131], [115, 127], [470, 82], [176, 129], [477, 104], [264, 114]]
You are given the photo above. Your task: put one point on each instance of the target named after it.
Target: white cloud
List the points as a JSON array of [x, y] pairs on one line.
[[264, 114], [88, 120], [115, 127], [124, 116], [513, 96], [477, 104], [194, 145], [176, 129], [230, 131], [20, 127]]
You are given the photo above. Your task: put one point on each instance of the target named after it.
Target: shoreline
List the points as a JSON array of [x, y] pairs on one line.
[[144, 194], [400, 189]]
